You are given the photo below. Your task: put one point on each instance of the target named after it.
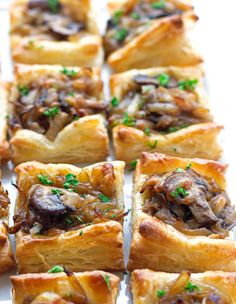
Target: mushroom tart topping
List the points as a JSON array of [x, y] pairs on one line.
[[184, 291], [69, 202], [159, 104], [49, 104], [125, 25], [193, 204]]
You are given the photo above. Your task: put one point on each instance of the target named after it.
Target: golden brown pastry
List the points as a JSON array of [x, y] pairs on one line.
[[6, 255], [4, 146], [149, 287], [147, 33], [163, 110], [69, 216], [65, 288], [55, 32], [182, 216], [57, 115]]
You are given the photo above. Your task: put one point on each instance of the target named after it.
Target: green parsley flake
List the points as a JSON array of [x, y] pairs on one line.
[[153, 145], [69, 221], [121, 34], [104, 198], [24, 90], [133, 164], [159, 4], [57, 192], [161, 293], [179, 192], [179, 170], [115, 102], [81, 233], [177, 128], [53, 6], [188, 166], [72, 94], [56, 269], [71, 181], [107, 280], [44, 179], [114, 215], [135, 15], [190, 287], [188, 85], [70, 73], [79, 219], [147, 131], [128, 121], [51, 112], [163, 79], [116, 17]]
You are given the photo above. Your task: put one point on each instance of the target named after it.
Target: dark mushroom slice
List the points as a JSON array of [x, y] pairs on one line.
[[65, 27], [38, 4], [145, 80]]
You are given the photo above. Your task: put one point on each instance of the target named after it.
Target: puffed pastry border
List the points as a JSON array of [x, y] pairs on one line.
[[4, 145], [85, 51], [82, 140], [6, 254], [158, 246], [170, 34], [92, 284], [145, 283], [100, 246], [198, 140]]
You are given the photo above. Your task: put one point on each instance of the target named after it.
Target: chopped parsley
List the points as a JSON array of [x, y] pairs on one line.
[[116, 17], [115, 102], [57, 192], [56, 269], [79, 219], [188, 166], [44, 179], [81, 232], [114, 215], [72, 94], [174, 149], [51, 112], [69, 221], [121, 34], [69, 72], [161, 293], [104, 198], [133, 164], [191, 287], [188, 85], [158, 4], [163, 79], [153, 145], [177, 128], [71, 181], [135, 15], [147, 131], [129, 121], [179, 170], [24, 90], [107, 280], [53, 6], [179, 192]]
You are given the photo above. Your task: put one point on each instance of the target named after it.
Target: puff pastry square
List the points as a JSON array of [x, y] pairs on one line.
[[182, 216], [162, 110], [57, 115], [55, 32], [69, 216], [149, 287], [4, 146], [6, 255], [87, 287], [147, 33]]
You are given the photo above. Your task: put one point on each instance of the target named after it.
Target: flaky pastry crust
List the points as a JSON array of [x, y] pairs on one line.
[[92, 285], [199, 140], [145, 283], [83, 140], [4, 146], [84, 50], [100, 246], [159, 246]]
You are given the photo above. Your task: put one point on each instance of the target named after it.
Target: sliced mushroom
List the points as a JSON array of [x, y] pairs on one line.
[[42, 4], [64, 26], [145, 80], [57, 124]]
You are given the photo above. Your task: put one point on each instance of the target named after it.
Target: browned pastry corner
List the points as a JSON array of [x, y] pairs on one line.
[[56, 32], [162, 110], [4, 146], [149, 287], [69, 216], [57, 115], [182, 216], [61, 288], [142, 34]]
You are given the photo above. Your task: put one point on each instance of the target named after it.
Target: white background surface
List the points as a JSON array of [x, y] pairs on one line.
[[216, 38]]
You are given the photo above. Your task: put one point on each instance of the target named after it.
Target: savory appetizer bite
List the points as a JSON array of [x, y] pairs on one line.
[[55, 32], [163, 110], [57, 115], [4, 146], [63, 287], [69, 216], [146, 33], [6, 255], [211, 287], [182, 216]]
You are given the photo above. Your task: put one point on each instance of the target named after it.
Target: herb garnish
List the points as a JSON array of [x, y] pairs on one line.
[[44, 179], [188, 166], [129, 121], [133, 164], [70, 73], [147, 131], [161, 293], [53, 6], [135, 15], [104, 198], [24, 90], [51, 112], [159, 4], [179, 170], [191, 287], [56, 269], [79, 219], [107, 280], [188, 85], [71, 181], [163, 79], [116, 17], [177, 128], [121, 34], [69, 221], [179, 192], [153, 145], [57, 192], [81, 232], [114, 101]]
